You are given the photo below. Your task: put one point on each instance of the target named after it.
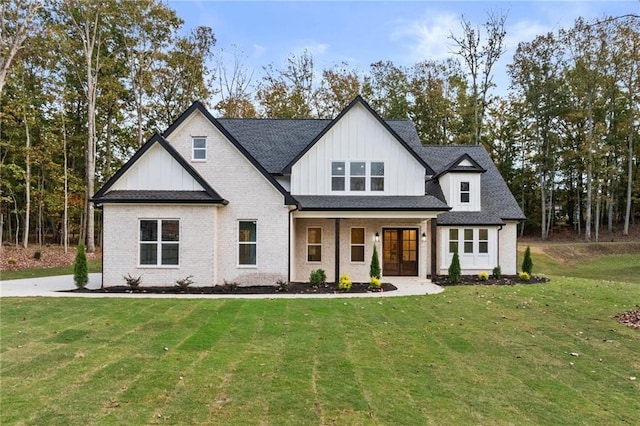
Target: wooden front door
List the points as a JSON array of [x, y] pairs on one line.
[[400, 252]]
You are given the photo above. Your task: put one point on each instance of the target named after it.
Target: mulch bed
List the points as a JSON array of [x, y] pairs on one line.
[[443, 280], [291, 288]]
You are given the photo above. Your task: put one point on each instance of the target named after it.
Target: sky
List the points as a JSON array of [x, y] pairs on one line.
[[363, 32]]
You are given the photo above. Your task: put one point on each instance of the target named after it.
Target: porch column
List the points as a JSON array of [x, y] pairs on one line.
[[434, 248], [337, 251]]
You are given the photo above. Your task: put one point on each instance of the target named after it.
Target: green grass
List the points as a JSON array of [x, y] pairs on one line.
[[470, 355], [94, 265]]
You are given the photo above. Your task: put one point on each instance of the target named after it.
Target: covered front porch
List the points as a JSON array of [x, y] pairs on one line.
[[342, 242]]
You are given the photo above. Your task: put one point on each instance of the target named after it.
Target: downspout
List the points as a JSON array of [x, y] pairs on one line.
[[295, 208], [498, 245]]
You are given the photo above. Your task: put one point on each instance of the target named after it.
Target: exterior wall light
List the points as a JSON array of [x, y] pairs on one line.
[[377, 237], [424, 236]]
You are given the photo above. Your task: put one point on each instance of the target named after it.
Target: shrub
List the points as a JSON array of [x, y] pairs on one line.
[[80, 270], [375, 283], [12, 261], [37, 255], [133, 282], [344, 283], [527, 263], [497, 272], [317, 277], [229, 286], [374, 269], [185, 282], [483, 276], [455, 272], [283, 285], [524, 276]]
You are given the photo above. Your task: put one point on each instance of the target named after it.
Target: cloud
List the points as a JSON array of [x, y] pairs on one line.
[[258, 50], [313, 47], [426, 37]]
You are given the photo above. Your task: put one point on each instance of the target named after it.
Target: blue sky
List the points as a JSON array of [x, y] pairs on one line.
[[364, 32]]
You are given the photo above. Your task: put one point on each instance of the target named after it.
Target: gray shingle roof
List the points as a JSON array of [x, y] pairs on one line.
[[158, 197], [497, 202], [370, 202]]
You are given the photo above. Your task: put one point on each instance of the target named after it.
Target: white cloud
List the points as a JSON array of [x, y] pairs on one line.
[[313, 47], [258, 50], [426, 37]]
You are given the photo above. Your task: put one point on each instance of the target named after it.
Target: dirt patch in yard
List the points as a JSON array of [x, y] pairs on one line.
[[36, 257], [571, 253]]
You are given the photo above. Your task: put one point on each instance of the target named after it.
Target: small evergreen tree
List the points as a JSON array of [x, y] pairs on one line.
[[527, 263], [455, 273], [80, 270], [374, 269]]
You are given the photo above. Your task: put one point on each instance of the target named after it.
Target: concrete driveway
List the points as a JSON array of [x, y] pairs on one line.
[[55, 286]]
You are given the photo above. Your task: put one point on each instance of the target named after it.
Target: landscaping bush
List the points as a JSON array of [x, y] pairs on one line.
[[497, 272], [483, 276], [527, 263], [524, 276], [133, 282], [375, 283], [80, 269], [344, 283], [37, 255], [283, 285], [317, 277], [455, 272], [185, 282], [374, 269]]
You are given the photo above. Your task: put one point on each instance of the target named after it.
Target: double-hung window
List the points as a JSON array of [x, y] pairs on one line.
[[159, 242], [465, 194], [199, 148], [247, 243], [314, 244], [483, 241], [468, 240], [377, 176], [358, 176], [453, 240], [357, 244], [337, 175]]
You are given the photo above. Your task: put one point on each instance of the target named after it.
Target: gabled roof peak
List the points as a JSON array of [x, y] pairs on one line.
[[464, 163]]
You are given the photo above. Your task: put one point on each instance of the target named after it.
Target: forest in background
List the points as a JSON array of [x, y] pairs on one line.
[[83, 84]]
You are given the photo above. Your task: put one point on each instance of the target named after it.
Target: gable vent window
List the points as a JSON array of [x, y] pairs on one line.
[[337, 175], [358, 171], [377, 176], [200, 149], [464, 192]]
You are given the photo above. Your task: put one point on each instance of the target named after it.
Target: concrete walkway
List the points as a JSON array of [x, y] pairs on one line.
[[51, 287]]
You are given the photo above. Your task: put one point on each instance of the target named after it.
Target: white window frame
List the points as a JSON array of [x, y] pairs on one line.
[[308, 244], [343, 176], [485, 241], [363, 244], [466, 192], [199, 149], [372, 176], [158, 242], [363, 176], [454, 240], [254, 243]]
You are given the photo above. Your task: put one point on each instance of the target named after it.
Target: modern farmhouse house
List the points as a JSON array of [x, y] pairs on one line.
[[254, 201]]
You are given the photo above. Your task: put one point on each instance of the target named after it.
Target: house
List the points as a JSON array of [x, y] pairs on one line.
[[254, 201]]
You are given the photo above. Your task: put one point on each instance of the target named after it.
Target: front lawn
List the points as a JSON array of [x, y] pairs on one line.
[[470, 355]]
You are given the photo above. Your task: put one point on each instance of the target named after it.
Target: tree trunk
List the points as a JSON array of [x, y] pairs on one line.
[[27, 191], [627, 213], [543, 207], [66, 186]]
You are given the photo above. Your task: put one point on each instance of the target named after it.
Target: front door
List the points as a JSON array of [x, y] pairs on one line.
[[400, 252]]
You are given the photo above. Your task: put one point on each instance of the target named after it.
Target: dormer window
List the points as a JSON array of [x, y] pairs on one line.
[[465, 194], [199, 148]]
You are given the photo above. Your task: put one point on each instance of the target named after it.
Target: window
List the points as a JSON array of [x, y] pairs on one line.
[[247, 243], [468, 240], [159, 242], [199, 148], [483, 243], [357, 244], [453, 240], [377, 176], [314, 244], [464, 192], [358, 172], [337, 176]]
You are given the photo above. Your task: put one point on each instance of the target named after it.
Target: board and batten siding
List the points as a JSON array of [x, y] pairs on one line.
[[251, 197], [357, 136], [450, 184], [157, 170]]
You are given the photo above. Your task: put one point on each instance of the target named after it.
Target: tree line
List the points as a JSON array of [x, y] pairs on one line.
[[84, 83]]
